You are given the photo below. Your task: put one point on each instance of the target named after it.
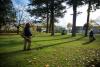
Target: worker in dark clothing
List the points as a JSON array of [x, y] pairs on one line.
[[27, 37], [91, 36]]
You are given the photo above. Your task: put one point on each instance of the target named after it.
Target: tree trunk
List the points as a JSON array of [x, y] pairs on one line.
[[52, 17], [50, 27], [88, 16], [18, 29], [74, 20], [47, 29], [0, 27]]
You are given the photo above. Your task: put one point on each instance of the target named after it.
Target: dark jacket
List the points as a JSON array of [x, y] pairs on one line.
[[91, 34], [27, 32]]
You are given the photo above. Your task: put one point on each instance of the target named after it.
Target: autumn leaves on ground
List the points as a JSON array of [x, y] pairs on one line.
[[50, 51]]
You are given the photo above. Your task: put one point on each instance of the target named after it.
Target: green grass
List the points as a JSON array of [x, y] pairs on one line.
[[48, 51]]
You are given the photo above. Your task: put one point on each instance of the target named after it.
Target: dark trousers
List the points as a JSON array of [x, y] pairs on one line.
[[27, 43]]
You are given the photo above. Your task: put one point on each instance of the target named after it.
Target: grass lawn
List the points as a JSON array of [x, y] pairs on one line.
[[49, 51]]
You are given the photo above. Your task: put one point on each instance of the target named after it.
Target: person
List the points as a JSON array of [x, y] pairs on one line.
[[91, 35], [27, 37], [18, 29], [63, 32]]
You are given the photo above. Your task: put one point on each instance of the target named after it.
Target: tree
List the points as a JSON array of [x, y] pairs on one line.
[[97, 4], [20, 13], [69, 27], [40, 10], [88, 16], [52, 7], [92, 5], [21, 16], [93, 23], [74, 4], [7, 12], [90, 25]]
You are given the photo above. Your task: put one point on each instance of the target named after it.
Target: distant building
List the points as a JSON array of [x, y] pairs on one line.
[[59, 29], [96, 30], [39, 27], [79, 29], [96, 27]]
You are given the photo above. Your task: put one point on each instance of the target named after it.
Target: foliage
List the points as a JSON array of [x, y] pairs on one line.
[[74, 4], [52, 8], [7, 12], [41, 7], [92, 5], [69, 27], [78, 2], [95, 4]]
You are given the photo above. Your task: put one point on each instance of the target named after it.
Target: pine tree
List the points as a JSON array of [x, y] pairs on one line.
[[92, 5], [7, 13], [74, 4], [51, 8]]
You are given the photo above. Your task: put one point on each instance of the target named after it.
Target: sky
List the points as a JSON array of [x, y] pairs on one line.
[[81, 18], [19, 2], [21, 5]]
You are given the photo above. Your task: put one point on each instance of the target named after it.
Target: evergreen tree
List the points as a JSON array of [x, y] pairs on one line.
[[51, 8], [92, 5], [7, 12], [74, 4]]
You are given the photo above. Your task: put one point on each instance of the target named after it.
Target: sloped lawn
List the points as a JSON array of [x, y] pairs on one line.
[[49, 51]]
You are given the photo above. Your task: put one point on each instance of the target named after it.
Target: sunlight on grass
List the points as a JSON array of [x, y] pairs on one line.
[[49, 51]]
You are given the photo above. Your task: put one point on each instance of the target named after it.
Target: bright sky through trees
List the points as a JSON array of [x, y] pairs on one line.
[[81, 18]]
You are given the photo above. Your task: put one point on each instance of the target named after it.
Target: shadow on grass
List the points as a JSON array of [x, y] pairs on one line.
[[49, 35], [88, 42], [11, 53], [36, 48], [20, 52], [4, 56], [10, 43], [52, 39], [46, 46], [93, 63], [6, 34]]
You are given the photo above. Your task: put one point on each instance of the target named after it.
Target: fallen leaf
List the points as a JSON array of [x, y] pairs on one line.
[[47, 65]]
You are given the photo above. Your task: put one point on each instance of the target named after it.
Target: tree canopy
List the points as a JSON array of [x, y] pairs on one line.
[[54, 8], [7, 12]]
